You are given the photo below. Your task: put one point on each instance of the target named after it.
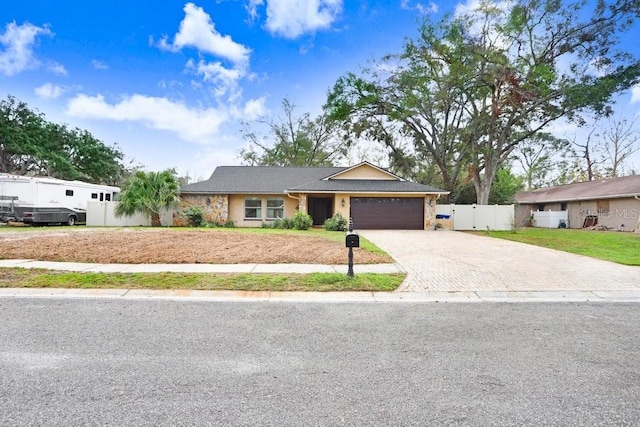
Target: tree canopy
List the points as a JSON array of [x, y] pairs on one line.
[[473, 87], [292, 141], [30, 145]]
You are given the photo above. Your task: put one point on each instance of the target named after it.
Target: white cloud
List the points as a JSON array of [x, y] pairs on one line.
[[635, 94], [49, 91], [190, 124], [99, 65], [428, 9], [16, 54], [163, 84], [293, 18], [431, 8], [198, 30], [252, 9], [254, 109], [56, 68], [223, 79]]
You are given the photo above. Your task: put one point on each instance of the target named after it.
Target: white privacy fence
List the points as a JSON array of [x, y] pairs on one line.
[[101, 214], [478, 217], [550, 219]]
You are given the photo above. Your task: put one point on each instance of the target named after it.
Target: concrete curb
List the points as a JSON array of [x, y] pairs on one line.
[[327, 297]]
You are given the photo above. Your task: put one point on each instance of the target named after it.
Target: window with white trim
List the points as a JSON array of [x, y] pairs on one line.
[[275, 208], [252, 208]]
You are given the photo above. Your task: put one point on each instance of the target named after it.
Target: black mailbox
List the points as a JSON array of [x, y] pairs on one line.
[[353, 240]]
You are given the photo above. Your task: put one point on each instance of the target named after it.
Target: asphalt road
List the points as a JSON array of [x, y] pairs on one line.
[[108, 362]]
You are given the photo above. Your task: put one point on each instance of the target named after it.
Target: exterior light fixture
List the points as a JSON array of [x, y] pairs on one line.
[[342, 203]]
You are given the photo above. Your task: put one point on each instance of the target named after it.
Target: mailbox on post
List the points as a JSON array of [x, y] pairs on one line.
[[352, 240]]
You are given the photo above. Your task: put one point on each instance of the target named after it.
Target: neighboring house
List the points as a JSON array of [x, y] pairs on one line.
[[612, 202], [373, 197]]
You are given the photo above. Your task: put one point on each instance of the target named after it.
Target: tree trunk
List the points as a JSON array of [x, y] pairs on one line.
[[155, 219], [482, 183], [483, 188]]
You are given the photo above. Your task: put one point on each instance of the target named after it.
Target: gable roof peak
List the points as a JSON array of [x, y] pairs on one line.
[[363, 164]]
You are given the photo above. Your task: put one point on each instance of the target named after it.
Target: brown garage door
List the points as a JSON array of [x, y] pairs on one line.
[[387, 213]]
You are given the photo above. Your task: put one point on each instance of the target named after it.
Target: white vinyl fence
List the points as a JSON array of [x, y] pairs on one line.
[[101, 214], [478, 217], [550, 219]]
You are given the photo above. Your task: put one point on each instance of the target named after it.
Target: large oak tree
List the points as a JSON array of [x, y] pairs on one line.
[[473, 87], [292, 140], [30, 145]]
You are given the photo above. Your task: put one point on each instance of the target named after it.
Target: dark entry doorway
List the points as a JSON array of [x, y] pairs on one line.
[[320, 208]]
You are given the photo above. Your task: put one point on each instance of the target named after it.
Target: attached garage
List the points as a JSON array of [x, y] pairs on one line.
[[398, 213], [258, 195]]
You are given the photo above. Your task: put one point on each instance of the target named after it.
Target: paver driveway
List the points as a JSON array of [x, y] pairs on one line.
[[456, 261]]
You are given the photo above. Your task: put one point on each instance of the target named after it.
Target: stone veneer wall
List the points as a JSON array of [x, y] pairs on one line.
[[215, 206], [302, 204], [429, 212]]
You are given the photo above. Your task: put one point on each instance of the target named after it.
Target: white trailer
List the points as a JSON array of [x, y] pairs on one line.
[[42, 200]]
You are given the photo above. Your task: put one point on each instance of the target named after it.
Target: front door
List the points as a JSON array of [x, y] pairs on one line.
[[320, 209]]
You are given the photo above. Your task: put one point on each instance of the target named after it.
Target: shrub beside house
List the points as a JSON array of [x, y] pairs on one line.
[[370, 195]]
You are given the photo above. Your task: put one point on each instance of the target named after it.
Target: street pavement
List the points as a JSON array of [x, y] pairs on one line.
[[154, 363]]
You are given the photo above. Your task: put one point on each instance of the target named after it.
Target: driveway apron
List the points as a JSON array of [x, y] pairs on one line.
[[456, 261]]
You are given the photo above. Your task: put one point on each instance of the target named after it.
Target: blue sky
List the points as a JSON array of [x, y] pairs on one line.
[[170, 81]]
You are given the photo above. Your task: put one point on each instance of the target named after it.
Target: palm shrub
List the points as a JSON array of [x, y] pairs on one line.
[[148, 193], [336, 223]]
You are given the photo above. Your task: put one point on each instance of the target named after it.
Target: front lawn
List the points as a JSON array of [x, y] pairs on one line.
[[183, 246], [317, 282], [623, 248]]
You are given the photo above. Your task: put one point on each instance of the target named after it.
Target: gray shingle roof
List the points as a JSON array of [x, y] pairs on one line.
[[627, 186], [365, 186], [257, 179], [274, 180]]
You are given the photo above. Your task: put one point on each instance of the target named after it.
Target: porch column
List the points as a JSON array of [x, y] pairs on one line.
[[429, 212], [302, 205]]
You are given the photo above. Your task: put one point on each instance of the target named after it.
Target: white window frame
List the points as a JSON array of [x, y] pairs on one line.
[[257, 208], [273, 209]]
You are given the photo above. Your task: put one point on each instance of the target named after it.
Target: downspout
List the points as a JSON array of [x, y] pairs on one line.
[[294, 198]]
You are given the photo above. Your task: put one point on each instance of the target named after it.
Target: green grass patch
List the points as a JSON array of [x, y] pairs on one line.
[[339, 236], [316, 282], [623, 248]]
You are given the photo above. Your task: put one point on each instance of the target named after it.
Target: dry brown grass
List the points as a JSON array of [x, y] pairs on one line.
[[176, 246]]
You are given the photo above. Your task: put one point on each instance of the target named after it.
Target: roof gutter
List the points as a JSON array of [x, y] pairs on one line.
[[407, 193], [581, 199], [293, 197]]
